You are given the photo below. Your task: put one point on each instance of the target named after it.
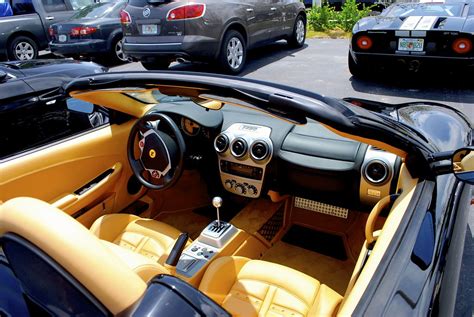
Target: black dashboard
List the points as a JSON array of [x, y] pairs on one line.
[[252, 153]]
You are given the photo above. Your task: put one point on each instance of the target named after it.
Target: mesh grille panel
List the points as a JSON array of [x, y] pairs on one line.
[[316, 206], [273, 225]]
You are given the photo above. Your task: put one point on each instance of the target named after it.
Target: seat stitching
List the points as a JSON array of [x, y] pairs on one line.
[[277, 286]]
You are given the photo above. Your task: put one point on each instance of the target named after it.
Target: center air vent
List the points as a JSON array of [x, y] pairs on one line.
[[239, 147], [259, 150], [376, 172], [221, 143]]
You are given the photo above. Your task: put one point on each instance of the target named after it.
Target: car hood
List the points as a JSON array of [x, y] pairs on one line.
[[115, 90], [383, 23], [42, 66]]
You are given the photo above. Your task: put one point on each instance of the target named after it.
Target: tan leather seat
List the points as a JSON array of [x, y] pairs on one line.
[[147, 237], [76, 250], [247, 287]]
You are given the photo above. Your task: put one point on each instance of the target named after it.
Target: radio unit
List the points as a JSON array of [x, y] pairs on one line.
[[241, 170]]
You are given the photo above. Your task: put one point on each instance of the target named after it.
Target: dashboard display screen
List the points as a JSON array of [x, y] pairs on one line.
[[241, 170]]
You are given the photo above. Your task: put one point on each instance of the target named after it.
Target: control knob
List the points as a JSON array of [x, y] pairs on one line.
[[240, 189], [228, 184], [252, 190]]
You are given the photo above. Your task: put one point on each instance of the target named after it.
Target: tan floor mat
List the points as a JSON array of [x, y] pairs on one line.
[[186, 221], [334, 273]]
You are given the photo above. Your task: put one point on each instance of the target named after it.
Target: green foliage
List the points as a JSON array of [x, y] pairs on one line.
[[322, 18], [326, 18]]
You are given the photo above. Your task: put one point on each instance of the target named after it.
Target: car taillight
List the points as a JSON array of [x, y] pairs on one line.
[[189, 11], [364, 42], [83, 30], [462, 45], [51, 32], [125, 17]]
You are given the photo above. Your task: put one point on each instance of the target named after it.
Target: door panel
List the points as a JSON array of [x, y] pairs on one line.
[[56, 173], [259, 21]]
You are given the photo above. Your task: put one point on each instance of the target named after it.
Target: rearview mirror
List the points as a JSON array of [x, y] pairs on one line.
[[463, 165], [80, 106]]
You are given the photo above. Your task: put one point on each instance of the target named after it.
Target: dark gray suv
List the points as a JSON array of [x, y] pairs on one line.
[[157, 32]]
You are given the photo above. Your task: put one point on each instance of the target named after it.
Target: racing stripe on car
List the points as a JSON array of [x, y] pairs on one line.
[[426, 23], [410, 23]]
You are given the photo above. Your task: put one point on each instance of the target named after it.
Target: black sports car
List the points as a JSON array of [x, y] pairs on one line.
[[320, 207], [32, 110], [414, 36]]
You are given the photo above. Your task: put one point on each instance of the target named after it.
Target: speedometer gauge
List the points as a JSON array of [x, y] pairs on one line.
[[190, 127]]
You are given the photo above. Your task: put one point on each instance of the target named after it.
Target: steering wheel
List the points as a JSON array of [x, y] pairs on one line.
[[160, 163]]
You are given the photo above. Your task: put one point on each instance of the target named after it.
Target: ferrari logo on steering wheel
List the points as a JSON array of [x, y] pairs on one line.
[[152, 153]]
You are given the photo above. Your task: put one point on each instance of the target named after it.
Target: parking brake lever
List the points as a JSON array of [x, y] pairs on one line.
[[175, 254]]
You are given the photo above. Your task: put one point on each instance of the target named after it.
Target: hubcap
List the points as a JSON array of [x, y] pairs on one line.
[[300, 32], [24, 51], [119, 51], [235, 53]]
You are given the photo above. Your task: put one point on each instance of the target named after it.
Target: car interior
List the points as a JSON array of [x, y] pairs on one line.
[[260, 214]]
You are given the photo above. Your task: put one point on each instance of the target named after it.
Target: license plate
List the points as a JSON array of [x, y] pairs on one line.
[[414, 45], [149, 29], [62, 38]]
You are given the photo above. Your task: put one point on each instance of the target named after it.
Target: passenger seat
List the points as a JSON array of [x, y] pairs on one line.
[[247, 287]]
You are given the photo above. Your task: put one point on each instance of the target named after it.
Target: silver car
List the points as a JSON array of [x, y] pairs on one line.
[[157, 32]]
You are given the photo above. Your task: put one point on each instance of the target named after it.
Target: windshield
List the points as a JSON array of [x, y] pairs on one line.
[[98, 10], [155, 96], [78, 4], [425, 9]]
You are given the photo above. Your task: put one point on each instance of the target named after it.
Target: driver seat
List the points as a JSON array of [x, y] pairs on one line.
[[149, 238]]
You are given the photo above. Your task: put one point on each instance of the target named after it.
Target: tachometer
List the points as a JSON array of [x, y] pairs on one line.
[[190, 127]]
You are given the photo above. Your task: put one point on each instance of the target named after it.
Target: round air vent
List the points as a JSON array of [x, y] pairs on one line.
[[376, 172], [259, 150], [221, 143], [239, 147]]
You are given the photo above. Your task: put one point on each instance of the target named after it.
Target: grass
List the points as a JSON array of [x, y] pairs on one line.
[[333, 34]]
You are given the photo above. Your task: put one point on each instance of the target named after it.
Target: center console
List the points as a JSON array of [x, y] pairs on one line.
[[211, 241], [244, 150]]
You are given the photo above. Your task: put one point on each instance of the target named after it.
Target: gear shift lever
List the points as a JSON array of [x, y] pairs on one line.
[[217, 203]]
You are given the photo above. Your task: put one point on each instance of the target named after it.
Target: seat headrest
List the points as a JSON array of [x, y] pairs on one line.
[[77, 250]]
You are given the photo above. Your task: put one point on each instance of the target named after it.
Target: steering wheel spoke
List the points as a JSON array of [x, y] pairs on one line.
[[161, 155]]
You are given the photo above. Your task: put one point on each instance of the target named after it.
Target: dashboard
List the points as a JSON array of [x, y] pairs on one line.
[[253, 153]]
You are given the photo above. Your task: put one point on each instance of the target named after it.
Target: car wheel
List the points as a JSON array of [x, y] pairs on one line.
[[157, 65], [298, 37], [117, 51], [233, 52], [22, 48], [356, 69]]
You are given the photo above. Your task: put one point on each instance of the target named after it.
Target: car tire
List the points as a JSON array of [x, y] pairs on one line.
[[157, 65], [355, 69], [233, 53], [298, 37], [22, 48], [116, 51]]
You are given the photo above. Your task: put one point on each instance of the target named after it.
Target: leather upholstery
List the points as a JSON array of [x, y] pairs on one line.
[[73, 247], [247, 287], [146, 237]]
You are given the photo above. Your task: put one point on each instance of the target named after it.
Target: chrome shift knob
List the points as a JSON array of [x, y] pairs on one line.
[[217, 202]]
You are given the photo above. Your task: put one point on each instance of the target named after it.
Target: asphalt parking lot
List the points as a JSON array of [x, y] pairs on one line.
[[321, 66]]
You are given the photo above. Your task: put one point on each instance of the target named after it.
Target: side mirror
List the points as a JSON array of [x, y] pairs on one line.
[[463, 165], [81, 106], [3, 76]]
